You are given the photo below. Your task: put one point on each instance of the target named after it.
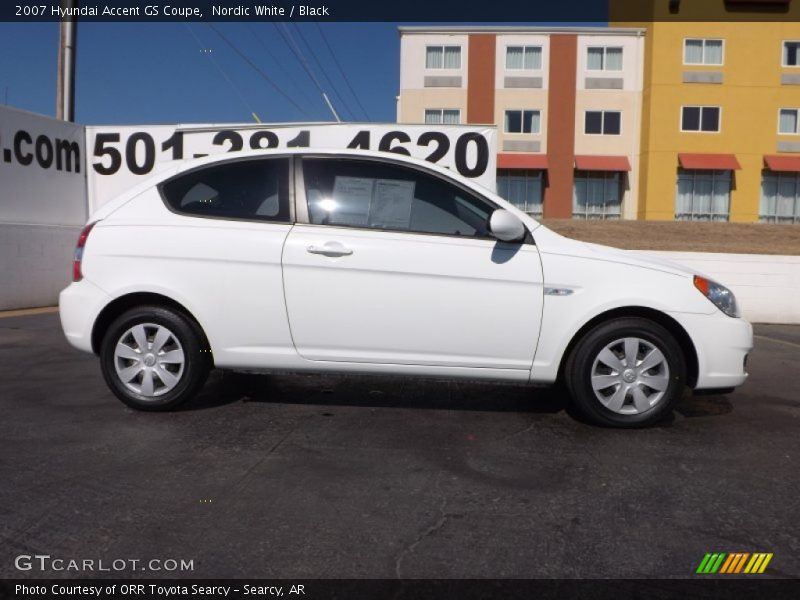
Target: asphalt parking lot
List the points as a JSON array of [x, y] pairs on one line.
[[311, 476]]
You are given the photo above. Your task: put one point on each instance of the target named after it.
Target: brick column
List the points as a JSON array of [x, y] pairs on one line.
[[561, 126], [480, 78]]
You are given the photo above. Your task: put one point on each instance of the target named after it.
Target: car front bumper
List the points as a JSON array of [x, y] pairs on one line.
[[722, 344]]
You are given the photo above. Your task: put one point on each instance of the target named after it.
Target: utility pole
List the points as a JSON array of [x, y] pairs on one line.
[[65, 87]]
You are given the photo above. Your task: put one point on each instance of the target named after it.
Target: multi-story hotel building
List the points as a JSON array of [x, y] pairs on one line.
[[721, 110], [566, 102], [660, 119]]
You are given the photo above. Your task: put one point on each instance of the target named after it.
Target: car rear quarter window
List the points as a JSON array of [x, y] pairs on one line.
[[246, 189], [376, 195]]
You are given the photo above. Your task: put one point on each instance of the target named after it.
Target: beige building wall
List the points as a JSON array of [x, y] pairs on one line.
[[412, 104], [513, 99], [627, 99], [504, 41], [632, 60], [412, 59], [529, 89], [625, 144]]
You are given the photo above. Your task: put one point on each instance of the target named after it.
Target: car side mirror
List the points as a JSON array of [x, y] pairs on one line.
[[506, 227]]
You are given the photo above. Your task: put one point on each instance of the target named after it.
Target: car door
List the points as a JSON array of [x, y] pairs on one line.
[[395, 266], [215, 246]]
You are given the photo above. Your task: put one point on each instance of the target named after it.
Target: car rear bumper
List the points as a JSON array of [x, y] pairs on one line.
[[722, 344], [79, 304]]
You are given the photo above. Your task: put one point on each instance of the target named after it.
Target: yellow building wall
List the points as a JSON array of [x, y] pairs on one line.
[[750, 97], [621, 12]]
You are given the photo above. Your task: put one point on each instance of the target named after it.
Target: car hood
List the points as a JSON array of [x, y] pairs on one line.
[[550, 242]]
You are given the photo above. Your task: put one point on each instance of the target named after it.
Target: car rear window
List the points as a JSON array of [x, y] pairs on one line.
[[246, 189]]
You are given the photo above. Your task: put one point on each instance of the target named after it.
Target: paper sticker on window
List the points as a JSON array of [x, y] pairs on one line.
[[391, 204], [352, 197]]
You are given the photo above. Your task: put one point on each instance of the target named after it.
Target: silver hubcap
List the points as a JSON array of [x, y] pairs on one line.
[[630, 376], [149, 359]]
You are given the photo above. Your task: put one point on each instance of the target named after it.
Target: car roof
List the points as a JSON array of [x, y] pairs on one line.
[[264, 153], [345, 152]]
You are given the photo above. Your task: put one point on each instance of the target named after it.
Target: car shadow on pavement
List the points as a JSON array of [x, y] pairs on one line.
[[376, 391], [692, 405], [218, 391]]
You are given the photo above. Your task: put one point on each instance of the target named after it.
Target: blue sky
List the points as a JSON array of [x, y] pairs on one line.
[[157, 73]]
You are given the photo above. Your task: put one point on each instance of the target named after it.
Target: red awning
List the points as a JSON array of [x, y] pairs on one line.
[[602, 163], [790, 164], [521, 161], [713, 162]]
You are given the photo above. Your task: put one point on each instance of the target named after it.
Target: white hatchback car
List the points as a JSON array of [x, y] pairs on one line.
[[351, 261]]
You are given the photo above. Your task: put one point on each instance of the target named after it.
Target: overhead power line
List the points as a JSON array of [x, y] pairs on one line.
[[289, 77], [207, 52], [341, 71], [255, 67], [324, 71], [298, 54]]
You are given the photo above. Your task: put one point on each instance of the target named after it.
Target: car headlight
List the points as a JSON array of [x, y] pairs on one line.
[[719, 295]]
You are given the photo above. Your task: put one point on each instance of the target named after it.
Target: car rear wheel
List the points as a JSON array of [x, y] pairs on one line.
[[626, 373], [154, 358]]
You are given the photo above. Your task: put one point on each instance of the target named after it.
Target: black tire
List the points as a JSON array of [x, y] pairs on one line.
[[579, 365], [196, 357]]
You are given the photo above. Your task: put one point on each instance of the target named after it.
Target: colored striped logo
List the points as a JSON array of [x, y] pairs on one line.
[[735, 562]]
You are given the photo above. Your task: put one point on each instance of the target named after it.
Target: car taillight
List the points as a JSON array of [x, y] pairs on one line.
[[77, 275]]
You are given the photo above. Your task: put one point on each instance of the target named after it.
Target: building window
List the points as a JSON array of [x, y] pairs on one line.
[[597, 195], [604, 58], [523, 121], [700, 118], [788, 121], [442, 116], [602, 122], [780, 198], [702, 52], [524, 57], [523, 188], [791, 54], [703, 195], [443, 57]]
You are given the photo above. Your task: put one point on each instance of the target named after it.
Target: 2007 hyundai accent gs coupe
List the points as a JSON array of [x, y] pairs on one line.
[[353, 261]]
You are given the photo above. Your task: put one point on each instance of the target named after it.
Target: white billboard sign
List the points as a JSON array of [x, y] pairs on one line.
[[42, 170], [121, 157]]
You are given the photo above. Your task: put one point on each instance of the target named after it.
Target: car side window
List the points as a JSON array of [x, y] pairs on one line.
[[372, 194], [247, 189]]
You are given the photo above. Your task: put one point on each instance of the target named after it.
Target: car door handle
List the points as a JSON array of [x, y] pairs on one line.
[[329, 249]]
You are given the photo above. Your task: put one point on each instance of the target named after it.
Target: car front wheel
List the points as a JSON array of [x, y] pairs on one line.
[[154, 358], [626, 373]]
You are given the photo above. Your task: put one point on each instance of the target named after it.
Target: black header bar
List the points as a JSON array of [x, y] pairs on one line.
[[450, 11]]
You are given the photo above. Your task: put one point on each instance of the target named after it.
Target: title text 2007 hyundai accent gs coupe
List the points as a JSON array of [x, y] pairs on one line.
[[351, 261]]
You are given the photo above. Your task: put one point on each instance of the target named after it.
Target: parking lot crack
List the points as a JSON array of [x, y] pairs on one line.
[[522, 431], [260, 461], [440, 522]]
